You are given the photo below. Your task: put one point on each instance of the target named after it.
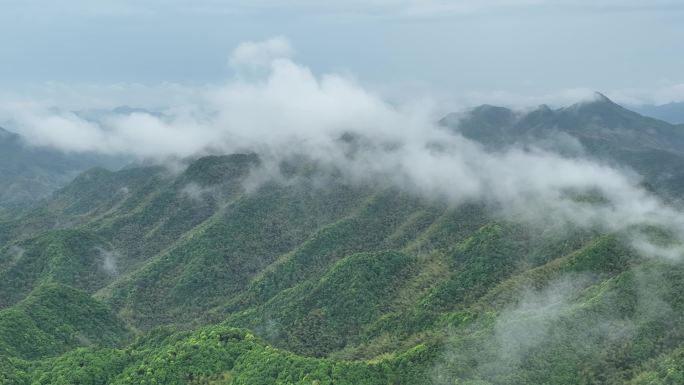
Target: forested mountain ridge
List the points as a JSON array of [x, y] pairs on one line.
[[29, 173], [217, 274], [598, 128]]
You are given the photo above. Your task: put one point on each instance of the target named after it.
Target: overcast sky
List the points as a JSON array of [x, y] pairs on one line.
[[491, 48]]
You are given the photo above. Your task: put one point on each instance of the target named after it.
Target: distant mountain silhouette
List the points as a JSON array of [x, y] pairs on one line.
[[28, 173], [597, 128], [671, 112]]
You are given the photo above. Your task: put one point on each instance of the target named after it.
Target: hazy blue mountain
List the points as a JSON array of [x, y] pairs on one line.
[[599, 129], [671, 112], [28, 173], [97, 114]]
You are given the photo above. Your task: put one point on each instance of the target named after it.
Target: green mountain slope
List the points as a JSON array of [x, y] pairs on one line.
[[215, 355], [72, 257], [54, 319], [224, 276]]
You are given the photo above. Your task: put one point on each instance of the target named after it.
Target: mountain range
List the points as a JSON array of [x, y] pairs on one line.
[[671, 112], [29, 173], [598, 129], [147, 275]]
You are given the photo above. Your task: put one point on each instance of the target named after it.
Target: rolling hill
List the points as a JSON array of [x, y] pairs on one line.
[[148, 276]]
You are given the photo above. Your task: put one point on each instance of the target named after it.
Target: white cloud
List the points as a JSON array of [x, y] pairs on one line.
[[291, 111], [260, 54], [110, 260]]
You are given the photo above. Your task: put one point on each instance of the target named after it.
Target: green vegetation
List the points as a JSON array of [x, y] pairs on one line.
[[72, 257], [54, 319], [146, 277], [214, 355]]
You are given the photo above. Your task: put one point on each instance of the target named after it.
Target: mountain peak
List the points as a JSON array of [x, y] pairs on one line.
[[598, 104], [493, 113], [488, 108], [599, 97]]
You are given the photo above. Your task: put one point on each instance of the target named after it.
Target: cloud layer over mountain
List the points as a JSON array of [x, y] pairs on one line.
[[288, 111]]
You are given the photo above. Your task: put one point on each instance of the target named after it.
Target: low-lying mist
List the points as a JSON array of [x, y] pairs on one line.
[[279, 109]]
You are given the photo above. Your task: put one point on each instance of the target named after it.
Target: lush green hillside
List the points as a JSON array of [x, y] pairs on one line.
[[56, 318], [214, 355], [73, 257], [218, 275]]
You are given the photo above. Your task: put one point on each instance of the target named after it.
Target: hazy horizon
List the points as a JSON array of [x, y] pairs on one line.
[[460, 53]]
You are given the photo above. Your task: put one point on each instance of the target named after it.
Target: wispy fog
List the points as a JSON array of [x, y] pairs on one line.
[[110, 260], [278, 108]]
